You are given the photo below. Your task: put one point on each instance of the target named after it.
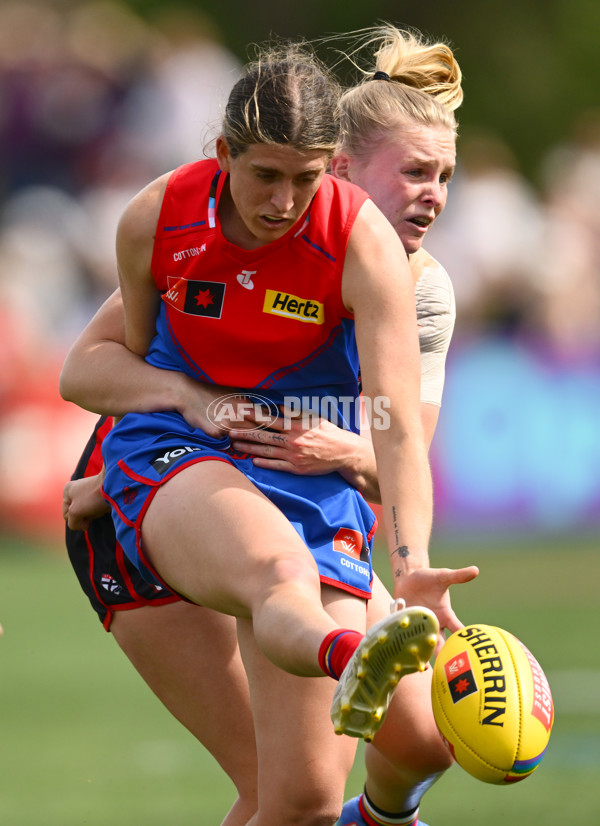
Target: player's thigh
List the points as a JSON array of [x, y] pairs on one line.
[[215, 538], [189, 657], [303, 764]]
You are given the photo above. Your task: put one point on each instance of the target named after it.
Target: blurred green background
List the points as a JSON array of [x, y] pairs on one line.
[[85, 742], [96, 98]]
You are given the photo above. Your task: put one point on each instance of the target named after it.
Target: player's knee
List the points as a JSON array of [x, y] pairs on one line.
[[310, 813], [444, 760], [290, 569], [435, 761], [310, 803], [430, 759], [411, 761]]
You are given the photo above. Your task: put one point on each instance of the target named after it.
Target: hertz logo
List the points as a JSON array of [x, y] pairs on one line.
[[292, 306]]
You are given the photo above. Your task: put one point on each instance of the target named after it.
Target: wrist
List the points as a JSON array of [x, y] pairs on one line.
[[358, 464], [407, 561], [176, 395]]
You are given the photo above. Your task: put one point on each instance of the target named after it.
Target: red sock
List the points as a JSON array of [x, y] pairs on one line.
[[336, 649]]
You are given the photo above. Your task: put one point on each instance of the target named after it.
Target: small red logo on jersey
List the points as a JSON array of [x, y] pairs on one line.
[[199, 298], [349, 542], [204, 298]]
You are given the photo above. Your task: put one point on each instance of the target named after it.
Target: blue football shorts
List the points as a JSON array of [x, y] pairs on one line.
[[144, 450]]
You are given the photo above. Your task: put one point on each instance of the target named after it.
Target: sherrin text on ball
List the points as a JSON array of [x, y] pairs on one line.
[[492, 704]]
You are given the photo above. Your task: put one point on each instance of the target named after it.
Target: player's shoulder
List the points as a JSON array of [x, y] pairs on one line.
[[436, 305], [427, 270], [139, 219], [433, 286]]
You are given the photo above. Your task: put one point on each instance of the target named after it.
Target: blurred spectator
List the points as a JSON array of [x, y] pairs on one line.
[[490, 235], [94, 102], [569, 275], [176, 110], [63, 81]]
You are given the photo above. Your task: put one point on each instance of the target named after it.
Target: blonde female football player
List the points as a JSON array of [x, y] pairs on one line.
[[423, 172]]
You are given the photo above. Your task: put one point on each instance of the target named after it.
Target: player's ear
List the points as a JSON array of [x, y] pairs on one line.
[[341, 166], [223, 154]]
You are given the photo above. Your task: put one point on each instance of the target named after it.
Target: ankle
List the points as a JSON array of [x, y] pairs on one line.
[[374, 816]]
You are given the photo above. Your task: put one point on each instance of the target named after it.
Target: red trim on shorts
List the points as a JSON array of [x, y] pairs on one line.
[[141, 603], [138, 598], [342, 586], [154, 488], [151, 483], [114, 505], [95, 462], [90, 548], [119, 556]]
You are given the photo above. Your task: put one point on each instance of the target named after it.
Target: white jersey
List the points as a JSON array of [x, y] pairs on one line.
[[436, 314]]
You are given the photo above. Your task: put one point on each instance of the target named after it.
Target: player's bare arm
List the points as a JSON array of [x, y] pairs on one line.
[[378, 288], [102, 375], [383, 303], [135, 242]]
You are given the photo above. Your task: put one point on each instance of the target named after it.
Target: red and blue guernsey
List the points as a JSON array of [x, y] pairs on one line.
[[269, 320]]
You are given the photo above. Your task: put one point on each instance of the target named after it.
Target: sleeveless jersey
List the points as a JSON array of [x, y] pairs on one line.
[[271, 318], [268, 322]]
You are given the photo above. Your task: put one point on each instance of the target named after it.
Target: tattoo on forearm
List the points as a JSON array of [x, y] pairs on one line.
[[401, 550]]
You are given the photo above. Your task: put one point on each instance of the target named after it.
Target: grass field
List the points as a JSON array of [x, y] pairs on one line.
[[83, 741]]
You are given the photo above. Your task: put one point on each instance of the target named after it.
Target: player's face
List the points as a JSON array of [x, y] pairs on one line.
[[407, 178], [270, 189]]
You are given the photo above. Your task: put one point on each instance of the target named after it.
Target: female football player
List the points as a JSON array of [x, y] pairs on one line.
[[136, 386]]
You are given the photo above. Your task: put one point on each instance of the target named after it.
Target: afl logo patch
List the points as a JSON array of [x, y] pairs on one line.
[[292, 306], [204, 298], [350, 542], [460, 677]]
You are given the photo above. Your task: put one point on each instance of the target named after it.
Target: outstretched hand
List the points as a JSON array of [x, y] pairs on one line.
[[430, 587]]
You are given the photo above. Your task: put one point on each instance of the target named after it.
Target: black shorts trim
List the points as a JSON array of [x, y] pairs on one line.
[[107, 578]]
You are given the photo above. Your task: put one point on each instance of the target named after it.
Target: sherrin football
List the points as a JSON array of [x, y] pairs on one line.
[[492, 704]]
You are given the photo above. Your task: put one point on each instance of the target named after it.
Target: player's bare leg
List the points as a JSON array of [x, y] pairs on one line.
[[407, 754], [214, 538], [303, 764], [217, 540], [189, 657]]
